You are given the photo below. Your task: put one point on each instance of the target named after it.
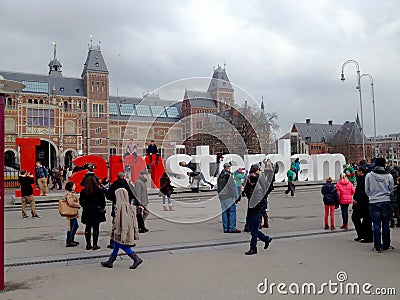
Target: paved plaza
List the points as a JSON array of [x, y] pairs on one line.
[[189, 257]]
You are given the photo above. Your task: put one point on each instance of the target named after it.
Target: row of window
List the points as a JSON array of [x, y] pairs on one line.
[[140, 110]]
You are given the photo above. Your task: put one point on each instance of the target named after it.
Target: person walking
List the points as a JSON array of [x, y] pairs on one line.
[[25, 181], [93, 204], [125, 230], [361, 216], [166, 190], [121, 182], [378, 186], [256, 191], [227, 194], [331, 201], [41, 178], [141, 194], [290, 177], [73, 225], [345, 190]]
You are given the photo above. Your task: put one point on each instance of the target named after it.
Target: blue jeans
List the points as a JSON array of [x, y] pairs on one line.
[[128, 250], [73, 227], [345, 213], [255, 233], [380, 214], [228, 215]]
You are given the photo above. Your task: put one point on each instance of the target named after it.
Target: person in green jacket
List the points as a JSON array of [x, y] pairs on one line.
[[291, 176], [350, 173]]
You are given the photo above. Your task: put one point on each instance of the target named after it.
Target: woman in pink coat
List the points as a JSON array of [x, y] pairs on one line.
[[345, 191]]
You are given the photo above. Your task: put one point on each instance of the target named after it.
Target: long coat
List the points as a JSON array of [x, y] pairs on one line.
[[125, 227], [93, 207]]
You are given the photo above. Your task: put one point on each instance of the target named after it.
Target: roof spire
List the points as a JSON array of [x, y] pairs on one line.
[[262, 103], [54, 64]]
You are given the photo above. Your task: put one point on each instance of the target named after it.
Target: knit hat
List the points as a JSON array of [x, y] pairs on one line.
[[227, 165]]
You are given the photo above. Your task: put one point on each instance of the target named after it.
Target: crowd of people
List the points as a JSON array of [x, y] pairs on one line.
[[371, 189]]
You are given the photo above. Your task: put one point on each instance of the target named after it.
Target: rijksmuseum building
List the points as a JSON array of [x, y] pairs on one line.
[[77, 116]]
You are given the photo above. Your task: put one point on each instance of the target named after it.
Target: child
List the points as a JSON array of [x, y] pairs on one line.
[[331, 201]]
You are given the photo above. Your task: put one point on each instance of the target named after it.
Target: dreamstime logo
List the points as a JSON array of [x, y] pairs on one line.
[[216, 129], [341, 287]]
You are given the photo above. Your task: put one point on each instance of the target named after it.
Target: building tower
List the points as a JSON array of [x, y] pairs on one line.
[[54, 64], [221, 89], [96, 82]]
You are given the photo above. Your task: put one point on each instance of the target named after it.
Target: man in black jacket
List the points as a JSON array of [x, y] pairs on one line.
[[110, 195], [26, 180], [152, 149], [361, 210]]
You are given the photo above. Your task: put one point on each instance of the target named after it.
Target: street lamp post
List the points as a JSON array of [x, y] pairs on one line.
[[358, 87], [373, 103], [6, 86]]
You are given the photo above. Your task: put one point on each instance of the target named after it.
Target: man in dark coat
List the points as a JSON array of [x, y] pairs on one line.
[[152, 149], [89, 173], [26, 180], [361, 216]]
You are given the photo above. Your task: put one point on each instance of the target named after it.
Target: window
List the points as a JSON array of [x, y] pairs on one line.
[[113, 109], [40, 117], [99, 142], [158, 111], [36, 87], [161, 132], [143, 110], [172, 112], [65, 105], [199, 125], [113, 151], [9, 102], [98, 110], [126, 109], [99, 130]]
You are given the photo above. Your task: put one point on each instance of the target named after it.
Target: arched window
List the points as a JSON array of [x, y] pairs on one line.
[[65, 105], [9, 102], [30, 101], [41, 101], [35, 101]]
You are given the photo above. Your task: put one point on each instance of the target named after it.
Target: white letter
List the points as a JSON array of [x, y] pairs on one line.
[[178, 174], [263, 284], [281, 288]]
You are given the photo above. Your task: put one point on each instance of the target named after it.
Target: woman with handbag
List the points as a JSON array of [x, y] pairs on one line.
[[73, 225], [93, 203], [166, 190], [125, 229]]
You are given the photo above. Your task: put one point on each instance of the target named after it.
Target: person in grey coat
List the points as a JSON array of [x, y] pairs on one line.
[[378, 186], [142, 195]]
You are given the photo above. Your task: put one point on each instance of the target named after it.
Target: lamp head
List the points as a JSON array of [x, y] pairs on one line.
[[342, 77]]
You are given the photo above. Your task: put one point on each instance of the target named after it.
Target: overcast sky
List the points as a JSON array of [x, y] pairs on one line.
[[288, 51]]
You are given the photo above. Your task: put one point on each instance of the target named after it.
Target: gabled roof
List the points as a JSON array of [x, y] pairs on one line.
[[315, 132], [349, 133], [94, 61], [200, 99], [64, 86], [219, 80]]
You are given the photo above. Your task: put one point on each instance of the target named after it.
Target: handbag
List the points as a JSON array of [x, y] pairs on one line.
[[65, 210]]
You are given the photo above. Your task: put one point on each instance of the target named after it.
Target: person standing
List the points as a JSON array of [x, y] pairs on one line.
[[121, 182], [73, 225], [90, 173], [290, 176], [141, 194], [361, 216], [296, 166], [239, 176], [166, 190], [331, 201], [41, 178], [25, 181], [378, 186], [256, 191], [227, 194], [345, 190], [350, 173], [125, 230], [93, 204]]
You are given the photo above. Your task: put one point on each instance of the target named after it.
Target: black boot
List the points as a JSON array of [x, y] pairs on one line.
[[95, 239], [71, 243], [111, 245], [251, 252], [136, 260], [109, 262], [88, 240]]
